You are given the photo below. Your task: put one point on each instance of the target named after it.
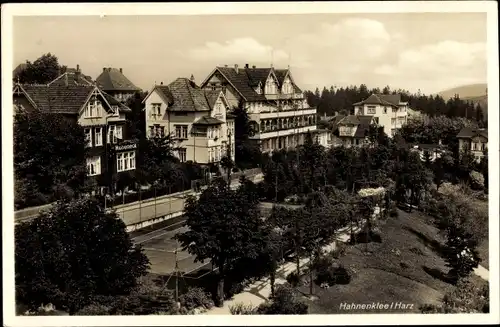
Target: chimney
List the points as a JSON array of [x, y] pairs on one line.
[[121, 70], [77, 73], [225, 66], [254, 67], [103, 69], [161, 83], [192, 78], [236, 68], [246, 66]]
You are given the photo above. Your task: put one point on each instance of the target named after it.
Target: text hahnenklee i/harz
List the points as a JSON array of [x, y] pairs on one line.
[[376, 306]]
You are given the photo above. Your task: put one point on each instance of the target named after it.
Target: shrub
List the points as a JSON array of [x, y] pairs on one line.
[[242, 309], [331, 273], [293, 279], [394, 213], [404, 265], [284, 301], [196, 297], [94, 310], [235, 288], [339, 251]]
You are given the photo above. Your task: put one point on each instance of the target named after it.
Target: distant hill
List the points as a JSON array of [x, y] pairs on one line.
[[465, 91]]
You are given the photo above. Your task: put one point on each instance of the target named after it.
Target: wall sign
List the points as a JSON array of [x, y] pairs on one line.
[[126, 147]]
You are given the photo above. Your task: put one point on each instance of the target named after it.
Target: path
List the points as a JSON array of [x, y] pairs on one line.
[[258, 292]]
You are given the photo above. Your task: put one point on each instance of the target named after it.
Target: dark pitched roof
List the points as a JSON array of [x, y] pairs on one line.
[[395, 99], [114, 102], [242, 83], [362, 122], [212, 97], [72, 78], [58, 98], [208, 121], [64, 99], [247, 79], [112, 79], [377, 99], [468, 132], [184, 95]]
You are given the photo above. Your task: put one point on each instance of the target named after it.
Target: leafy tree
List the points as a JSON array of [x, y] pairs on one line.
[[465, 226], [49, 152], [310, 154], [465, 298], [247, 152], [72, 253], [157, 160], [42, 71], [483, 166], [224, 226], [137, 118]]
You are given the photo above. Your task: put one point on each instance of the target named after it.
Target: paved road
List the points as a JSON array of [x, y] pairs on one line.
[[136, 213]]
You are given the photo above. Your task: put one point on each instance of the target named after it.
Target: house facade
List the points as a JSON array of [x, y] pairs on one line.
[[276, 106], [473, 140], [351, 130], [429, 152], [110, 151], [197, 119], [390, 111], [115, 83]]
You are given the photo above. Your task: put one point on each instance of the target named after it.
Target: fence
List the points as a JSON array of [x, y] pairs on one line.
[[138, 196]]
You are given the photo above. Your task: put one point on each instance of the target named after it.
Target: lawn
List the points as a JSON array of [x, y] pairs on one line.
[[404, 268]]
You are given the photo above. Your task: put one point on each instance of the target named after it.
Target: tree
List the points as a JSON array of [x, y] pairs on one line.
[[465, 226], [312, 156], [247, 152], [157, 159], [465, 298], [483, 165], [49, 152], [73, 253], [42, 71], [137, 117], [224, 226]]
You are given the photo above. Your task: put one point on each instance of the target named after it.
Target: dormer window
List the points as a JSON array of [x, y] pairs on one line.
[[114, 110], [93, 109]]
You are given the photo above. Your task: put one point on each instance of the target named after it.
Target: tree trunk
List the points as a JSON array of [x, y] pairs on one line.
[[219, 297], [297, 260], [272, 278], [311, 275]]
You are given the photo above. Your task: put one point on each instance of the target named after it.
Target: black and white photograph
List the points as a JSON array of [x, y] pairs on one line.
[[186, 163]]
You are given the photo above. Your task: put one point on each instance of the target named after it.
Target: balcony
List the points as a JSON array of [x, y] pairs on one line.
[[290, 130], [281, 96], [287, 113]]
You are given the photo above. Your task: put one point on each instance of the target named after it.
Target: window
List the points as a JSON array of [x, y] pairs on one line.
[[93, 109], [160, 131], [156, 109], [385, 110], [181, 131], [88, 136], [182, 154], [372, 110], [98, 136], [393, 121], [125, 161], [114, 133], [151, 131], [94, 166]]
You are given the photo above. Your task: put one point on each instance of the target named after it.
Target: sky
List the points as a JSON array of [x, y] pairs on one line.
[[427, 51]]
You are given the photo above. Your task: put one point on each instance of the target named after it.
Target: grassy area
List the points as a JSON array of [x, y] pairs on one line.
[[406, 267]]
